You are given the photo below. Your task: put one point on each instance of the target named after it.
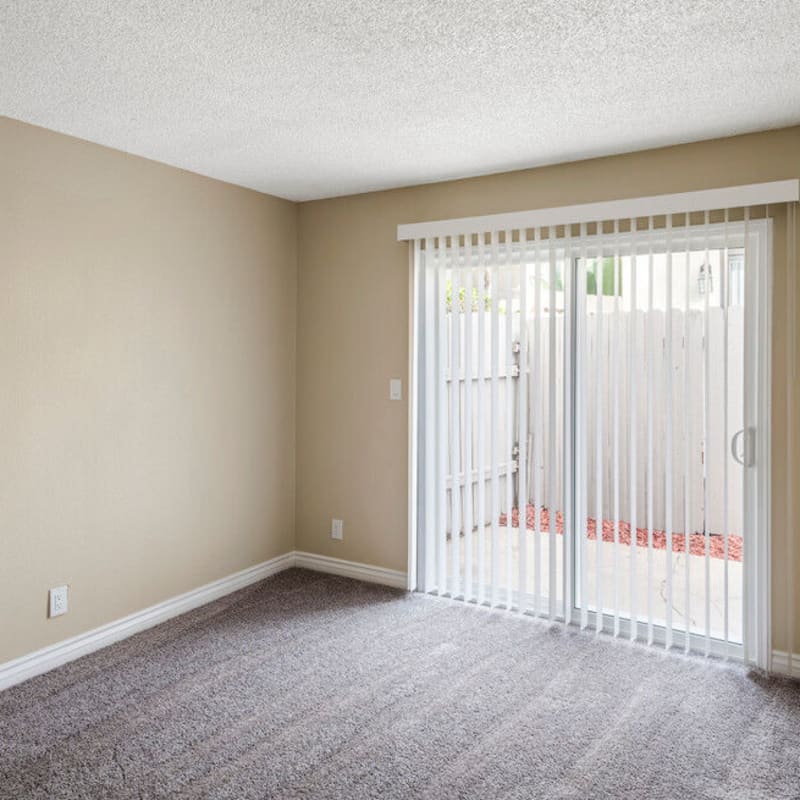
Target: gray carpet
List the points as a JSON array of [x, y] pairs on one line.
[[310, 686]]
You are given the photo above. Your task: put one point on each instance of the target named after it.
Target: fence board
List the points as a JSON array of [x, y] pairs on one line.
[[687, 353]]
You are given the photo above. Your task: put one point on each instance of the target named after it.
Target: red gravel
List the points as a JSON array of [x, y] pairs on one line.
[[697, 541]]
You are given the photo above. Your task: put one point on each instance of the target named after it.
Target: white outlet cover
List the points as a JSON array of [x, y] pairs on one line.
[[395, 389], [58, 601], [337, 529]]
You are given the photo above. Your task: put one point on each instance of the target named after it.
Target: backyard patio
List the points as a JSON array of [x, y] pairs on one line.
[[650, 567]]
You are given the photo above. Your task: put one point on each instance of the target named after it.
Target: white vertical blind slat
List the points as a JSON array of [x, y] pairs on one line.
[[633, 383], [746, 549], [687, 447], [615, 355], [598, 387], [455, 430], [495, 424], [568, 499], [649, 323], [481, 423], [508, 390], [791, 384], [706, 437], [441, 420], [725, 277], [431, 384], [581, 526], [538, 405], [552, 416], [468, 422], [522, 421], [669, 438]]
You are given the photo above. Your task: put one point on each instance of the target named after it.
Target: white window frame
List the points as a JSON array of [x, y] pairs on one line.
[[760, 279]]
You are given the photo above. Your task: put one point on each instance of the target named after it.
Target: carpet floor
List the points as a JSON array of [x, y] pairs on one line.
[[312, 686]]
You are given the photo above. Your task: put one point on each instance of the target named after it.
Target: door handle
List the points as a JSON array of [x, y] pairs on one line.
[[746, 437]]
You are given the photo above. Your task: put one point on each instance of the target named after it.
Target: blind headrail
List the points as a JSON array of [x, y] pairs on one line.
[[753, 194]]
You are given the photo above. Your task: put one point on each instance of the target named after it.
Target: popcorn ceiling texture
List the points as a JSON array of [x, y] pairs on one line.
[[310, 100]]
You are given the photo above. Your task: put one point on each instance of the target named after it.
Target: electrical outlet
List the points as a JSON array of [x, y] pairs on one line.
[[337, 529], [58, 601]]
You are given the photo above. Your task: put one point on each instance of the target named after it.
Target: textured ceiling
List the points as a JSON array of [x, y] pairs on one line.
[[320, 98]]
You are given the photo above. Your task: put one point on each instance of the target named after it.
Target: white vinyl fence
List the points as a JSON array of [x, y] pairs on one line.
[[609, 358]]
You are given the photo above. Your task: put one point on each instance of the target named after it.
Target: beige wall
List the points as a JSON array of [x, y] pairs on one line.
[[147, 374], [353, 330], [148, 364]]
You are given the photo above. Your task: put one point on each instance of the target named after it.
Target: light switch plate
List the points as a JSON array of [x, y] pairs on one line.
[[395, 389]]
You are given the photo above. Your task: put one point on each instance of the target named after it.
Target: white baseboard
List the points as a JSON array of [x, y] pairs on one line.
[[780, 664], [40, 661], [351, 569], [27, 666]]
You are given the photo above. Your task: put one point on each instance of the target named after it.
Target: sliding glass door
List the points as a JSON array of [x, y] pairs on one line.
[[662, 484], [589, 405]]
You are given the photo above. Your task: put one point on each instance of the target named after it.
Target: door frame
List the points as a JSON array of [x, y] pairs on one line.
[[758, 571], [757, 580]]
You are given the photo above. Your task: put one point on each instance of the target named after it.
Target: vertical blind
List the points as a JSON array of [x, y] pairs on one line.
[[589, 392]]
